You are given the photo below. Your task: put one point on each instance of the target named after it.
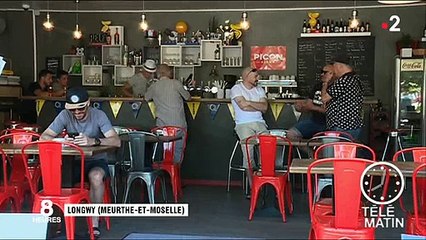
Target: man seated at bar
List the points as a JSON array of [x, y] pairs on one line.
[[306, 128], [168, 95], [61, 84], [344, 99], [138, 83], [94, 129], [249, 102]]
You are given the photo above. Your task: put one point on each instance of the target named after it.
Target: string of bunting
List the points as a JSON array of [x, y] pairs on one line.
[[213, 109], [151, 106], [97, 105], [115, 107], [276, 109], [59, 106], [193, 108], [39, 106], [136, 107]]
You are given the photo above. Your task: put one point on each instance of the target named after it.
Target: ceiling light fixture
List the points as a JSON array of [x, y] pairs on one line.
[[48, 25], [354, 22], [143, 25], [77, 34], [244, 23]]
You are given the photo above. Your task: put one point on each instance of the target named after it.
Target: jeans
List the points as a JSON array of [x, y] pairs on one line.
[[355, 133], [308, 127]]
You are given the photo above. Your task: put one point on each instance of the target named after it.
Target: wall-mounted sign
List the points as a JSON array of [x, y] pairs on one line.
[[268, 57], [408, 65]]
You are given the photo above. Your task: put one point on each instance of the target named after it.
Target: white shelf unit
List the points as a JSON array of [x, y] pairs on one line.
[[112, 55], [181, 73], [68, 61], [171, 55], [207, 49], [345, 34], [92, 75], [191, 55], [122, 74], [232, 56]]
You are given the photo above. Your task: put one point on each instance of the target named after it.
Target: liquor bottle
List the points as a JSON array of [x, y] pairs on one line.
[[349, 24], [116, 37], [318, 26], [327, 27], [362, 27], [332, 26], [108, 38], [217, 52], [367, 27], [341, 25], [324, 27], [50, 90], [336, 27], [345, 26], [304, 27], [125, 55], [308, 29]]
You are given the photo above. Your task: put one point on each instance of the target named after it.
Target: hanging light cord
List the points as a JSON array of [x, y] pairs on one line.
[[76, 12]]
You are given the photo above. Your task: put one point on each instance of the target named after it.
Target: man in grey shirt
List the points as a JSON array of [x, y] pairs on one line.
[[93, 128], [168, 95], [138, 83]]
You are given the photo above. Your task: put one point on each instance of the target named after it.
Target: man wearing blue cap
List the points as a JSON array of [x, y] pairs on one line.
[[94, 129], [344, 99]]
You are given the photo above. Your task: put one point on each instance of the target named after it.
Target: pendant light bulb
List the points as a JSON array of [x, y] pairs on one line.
[[245, 25], [48, 25], [143, 25], [354, 21], [77, 33]]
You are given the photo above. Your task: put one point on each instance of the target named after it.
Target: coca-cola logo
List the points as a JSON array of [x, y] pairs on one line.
[[412, 65]]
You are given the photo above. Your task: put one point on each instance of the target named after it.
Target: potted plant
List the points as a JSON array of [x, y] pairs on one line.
[[406, 41]]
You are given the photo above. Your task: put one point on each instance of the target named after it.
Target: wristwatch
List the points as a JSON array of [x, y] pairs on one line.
[[97, 142]]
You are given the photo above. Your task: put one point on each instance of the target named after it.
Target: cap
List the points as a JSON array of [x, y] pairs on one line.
[[341, 59], [150, 66], [77, 97]]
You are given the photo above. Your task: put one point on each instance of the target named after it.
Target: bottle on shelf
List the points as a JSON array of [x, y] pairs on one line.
[[362, 27], [125, 55], [116, 37], [348, 27], [332, 26], [50, 90], [336, 27], [217, 52], [341, 25], [345, 26], [304, 27], [323, 27], [367, 27], [327, 27], [108, 38], [318, 26]]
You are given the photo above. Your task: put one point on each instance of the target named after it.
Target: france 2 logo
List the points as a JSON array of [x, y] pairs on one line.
[[394, 21]]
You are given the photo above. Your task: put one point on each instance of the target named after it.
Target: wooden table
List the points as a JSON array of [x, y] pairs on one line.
[[295, 143], [301, 166], [88, 151]]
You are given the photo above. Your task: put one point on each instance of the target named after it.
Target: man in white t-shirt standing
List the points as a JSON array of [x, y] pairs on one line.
[[249, 102]]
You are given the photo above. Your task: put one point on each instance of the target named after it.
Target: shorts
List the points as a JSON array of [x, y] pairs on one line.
[[308, 127], [88, 165]]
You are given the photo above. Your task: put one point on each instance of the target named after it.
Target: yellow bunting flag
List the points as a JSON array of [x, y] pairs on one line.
[[276, 109], [193, 108], [231, 110], [296, 113], [151, 106], [115, 107], [39, 105]]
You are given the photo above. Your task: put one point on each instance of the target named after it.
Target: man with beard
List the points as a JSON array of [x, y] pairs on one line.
[[94, 129], [249, 102]]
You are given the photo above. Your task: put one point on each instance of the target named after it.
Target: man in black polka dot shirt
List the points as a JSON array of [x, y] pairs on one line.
[[344, 99]]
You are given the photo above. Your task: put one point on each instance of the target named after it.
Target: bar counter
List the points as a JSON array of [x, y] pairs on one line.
[[210, 137]]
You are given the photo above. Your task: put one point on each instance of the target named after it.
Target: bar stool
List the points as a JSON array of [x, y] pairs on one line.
[[239, 168], [393, 133]]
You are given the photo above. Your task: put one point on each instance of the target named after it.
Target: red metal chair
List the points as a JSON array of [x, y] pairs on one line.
[[17, 176], [416, 221], [348, 222], [339, 150], [7, 191], [417, 154], [50, 154], [266, 172], [168, 164]]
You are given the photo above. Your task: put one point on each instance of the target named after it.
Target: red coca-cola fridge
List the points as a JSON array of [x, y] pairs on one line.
[[409, 101]]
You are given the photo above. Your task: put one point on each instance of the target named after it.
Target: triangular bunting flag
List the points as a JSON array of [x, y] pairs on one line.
[[231, 110], [39, 106], [151, 106], [97, 105], [193, 108], [136, 106], [115, 107], [59, 106], [213, 108], [276, 109], [296, 113]]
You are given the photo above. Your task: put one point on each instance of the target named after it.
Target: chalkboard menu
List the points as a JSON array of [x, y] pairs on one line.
[[314, 53]]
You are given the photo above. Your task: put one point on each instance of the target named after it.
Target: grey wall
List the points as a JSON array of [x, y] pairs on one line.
[[267, 28]]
